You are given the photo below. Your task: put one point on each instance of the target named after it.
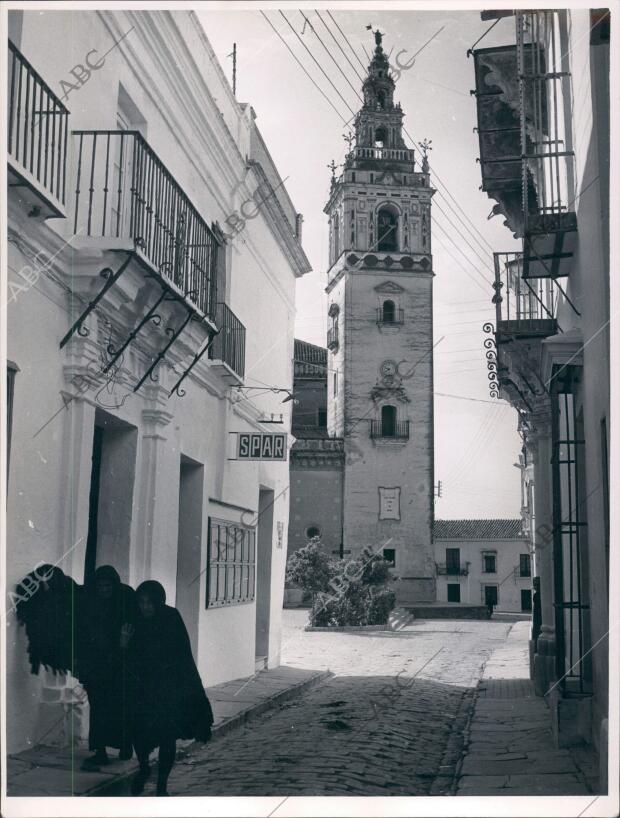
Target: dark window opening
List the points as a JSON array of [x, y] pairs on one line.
[[389, 312], [526, 599], [387, 231], [322, 418], [453, 560], [489, 564], [389, 555], [388, 421], [525, 565], [381, 138], [313, 531], [454, 592]]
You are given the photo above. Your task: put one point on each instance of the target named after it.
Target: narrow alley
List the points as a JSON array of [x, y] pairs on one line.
[[390, 720]]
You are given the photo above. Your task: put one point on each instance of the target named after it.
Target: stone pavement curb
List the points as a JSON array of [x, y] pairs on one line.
[[508, 746], [51, 771]]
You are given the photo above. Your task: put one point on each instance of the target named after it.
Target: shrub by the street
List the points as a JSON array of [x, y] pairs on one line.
[[359, 594], [310, 567]]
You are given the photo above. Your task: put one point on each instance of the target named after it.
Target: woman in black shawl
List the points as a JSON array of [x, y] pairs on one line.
[[47, 603], [170, 701], [102, 666]]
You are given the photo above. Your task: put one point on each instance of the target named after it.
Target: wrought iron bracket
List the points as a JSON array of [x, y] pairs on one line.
[[151, 315], [111, 279], [176, 388], [173, 335]]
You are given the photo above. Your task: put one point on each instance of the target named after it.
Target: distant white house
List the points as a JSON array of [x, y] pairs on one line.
[[482, 561]]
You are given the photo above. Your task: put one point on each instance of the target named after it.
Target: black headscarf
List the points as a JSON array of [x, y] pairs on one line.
[[101, 620], [170, 700]]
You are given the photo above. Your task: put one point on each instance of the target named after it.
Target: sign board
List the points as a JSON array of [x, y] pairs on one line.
[[260, 446], [389, 503]]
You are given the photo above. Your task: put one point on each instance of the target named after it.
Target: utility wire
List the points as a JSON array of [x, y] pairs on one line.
[[317, 63], [364, 67], [344, 54], [435, 175], [320, 90], [331, 56]]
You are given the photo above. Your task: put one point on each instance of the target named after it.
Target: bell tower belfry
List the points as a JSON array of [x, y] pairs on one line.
[[380, 338]]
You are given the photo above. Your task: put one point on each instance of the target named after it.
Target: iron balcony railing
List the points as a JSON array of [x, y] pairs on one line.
[[37, 126], [229, 344], [124, 191], [547, 159], [395, 154], [452, 570], [332, 338], [381, 429], [523, 306], [542, 74], [394, 316]]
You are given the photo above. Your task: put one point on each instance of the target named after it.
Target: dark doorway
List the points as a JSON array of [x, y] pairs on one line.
[[110, 504], [189, 545], [526, 599], [490, 595], [90, 560], [454, 592], [263, 575]]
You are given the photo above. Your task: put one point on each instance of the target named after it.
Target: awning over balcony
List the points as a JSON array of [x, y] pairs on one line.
[[499, 132]]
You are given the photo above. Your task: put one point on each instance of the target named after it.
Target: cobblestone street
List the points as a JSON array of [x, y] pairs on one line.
[[371, 729]]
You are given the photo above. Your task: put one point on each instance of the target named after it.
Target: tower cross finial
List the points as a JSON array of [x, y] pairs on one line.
[[332, 166]]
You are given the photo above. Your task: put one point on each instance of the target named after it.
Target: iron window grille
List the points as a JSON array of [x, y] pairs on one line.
[[572, 623], [231, 564]]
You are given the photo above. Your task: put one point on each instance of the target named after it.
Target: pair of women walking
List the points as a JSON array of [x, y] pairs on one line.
[[132, 653]]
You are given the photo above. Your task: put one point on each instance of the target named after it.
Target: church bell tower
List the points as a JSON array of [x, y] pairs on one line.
[[380, 339]]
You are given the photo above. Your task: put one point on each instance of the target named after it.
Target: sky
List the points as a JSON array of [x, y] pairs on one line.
[[476, 442]]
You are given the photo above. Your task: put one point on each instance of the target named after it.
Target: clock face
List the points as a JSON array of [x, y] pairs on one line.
[[388, 369]]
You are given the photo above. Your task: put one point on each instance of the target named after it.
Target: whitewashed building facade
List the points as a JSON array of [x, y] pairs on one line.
[[152, 259]]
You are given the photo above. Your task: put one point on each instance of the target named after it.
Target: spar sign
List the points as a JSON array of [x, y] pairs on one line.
[[260, 446]]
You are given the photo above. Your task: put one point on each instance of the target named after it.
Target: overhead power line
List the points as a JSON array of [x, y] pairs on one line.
[[316, 62], [331, 56], [344, 53], [364, 67], [292, 53]]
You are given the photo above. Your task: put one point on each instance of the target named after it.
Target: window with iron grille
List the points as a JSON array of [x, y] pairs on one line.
[[572, 610], [231, 561], [525, 565]]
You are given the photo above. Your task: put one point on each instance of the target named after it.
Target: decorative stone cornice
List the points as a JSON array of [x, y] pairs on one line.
[[565, 349], [325, 453]]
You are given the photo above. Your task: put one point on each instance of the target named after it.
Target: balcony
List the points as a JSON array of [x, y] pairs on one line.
[[125, 195], [228, 348], [393, 430], [332, 339], [37, 133], [522, 93], [524, 309], [444, 569], [391, 317], [393, 154]]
